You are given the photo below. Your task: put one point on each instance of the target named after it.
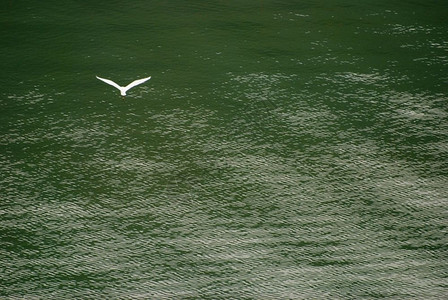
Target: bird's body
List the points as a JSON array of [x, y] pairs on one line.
[[124, 89]]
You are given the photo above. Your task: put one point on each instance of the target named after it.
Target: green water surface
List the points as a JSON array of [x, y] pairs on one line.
[[281, 150]]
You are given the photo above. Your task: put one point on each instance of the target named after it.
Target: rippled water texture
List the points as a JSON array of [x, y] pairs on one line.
[[281, 150]]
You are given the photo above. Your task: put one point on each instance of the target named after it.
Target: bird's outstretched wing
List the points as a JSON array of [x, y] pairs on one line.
[[137, 82], [109, 82]]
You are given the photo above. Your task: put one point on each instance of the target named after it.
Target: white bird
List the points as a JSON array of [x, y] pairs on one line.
[[124, 89]]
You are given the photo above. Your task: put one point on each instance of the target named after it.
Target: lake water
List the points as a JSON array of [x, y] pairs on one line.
[[281, 150]]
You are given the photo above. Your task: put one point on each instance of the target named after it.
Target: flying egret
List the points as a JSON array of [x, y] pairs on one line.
[[124, 89]]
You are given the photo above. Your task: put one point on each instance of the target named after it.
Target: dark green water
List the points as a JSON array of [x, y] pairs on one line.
[[281, 150]]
